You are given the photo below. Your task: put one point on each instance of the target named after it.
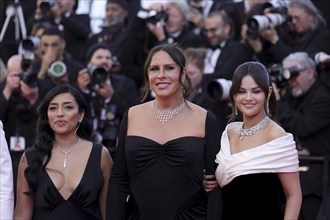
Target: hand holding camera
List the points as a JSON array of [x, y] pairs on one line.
[[12, 84], [104, 89], [155, 17], [83, 79]]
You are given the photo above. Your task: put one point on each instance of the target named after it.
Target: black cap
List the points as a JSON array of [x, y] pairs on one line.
[[122, 3], [94, 47]]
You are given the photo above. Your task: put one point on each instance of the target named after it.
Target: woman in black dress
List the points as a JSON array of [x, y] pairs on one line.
[[64, 176], [164, 146]]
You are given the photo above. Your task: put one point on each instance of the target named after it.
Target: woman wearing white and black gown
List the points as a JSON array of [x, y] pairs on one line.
[[258, 161]]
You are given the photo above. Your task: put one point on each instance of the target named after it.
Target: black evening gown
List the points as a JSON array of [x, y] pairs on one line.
[[259, 196], [83, 203], [164, 181]]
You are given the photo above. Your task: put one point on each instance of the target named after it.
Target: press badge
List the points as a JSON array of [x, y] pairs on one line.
[[17, 143]]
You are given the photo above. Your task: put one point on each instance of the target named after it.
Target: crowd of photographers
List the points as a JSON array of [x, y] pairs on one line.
[[290, 37]]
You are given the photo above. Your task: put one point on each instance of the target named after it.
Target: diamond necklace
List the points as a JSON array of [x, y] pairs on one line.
[[67, 152], [165, 115], [251, 131]]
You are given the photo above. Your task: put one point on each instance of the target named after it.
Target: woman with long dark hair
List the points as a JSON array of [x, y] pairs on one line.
[[65, 175]]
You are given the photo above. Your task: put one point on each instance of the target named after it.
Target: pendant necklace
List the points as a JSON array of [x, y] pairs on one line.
[[66, 153], [165, 115], [251, 131]]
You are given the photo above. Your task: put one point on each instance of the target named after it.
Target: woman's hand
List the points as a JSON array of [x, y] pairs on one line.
[[209, 183]]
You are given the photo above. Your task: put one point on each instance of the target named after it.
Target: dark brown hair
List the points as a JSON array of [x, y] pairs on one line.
[[176, 54], [260, 75]]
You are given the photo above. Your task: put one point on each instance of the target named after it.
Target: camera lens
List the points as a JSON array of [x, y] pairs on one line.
[[57, 69], [98, 74], [219, 89]]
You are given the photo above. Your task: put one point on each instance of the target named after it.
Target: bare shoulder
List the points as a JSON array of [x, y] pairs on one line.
[[275, 131], [196, 108], [23, 158], [106, 157], [139, 109]]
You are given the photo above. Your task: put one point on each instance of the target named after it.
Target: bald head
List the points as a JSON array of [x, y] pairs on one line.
[[14, 64]]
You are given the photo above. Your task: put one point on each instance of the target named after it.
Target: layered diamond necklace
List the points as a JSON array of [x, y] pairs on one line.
[[251, 131], [66, 153], [164, 115]]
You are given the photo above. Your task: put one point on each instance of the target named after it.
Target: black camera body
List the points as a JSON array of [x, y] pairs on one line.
[[46, 5], [26, 76], [152, 16], [281, 76], [29, 79], [278, 15], [323, 65], [98, 74]]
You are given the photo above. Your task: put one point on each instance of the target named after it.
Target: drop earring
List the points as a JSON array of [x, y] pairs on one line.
[[75, 131], [236, 111], [267, 107]]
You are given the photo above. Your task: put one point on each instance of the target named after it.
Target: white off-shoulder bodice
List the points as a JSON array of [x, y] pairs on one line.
[[278, 155]]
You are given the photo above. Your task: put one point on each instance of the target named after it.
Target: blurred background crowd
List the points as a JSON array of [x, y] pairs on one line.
[[100, 46]]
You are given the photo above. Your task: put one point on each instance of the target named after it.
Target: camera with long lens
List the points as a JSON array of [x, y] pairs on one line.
[[57, 69], [26, 76], [152, 16], [46, 5], [98, 74], [277, 16], [281, 76], [219, 89]]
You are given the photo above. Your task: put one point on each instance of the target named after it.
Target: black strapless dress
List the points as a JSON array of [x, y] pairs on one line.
[[164, 181]]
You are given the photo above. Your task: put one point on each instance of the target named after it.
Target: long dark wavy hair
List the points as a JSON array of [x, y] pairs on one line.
[[260, 75], [40, 153], [176, 53]]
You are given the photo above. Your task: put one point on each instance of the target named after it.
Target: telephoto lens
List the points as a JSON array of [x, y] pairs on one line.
[[57, 69]]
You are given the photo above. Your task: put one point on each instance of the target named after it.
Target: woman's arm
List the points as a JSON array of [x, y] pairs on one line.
[[291, 187], [106, 166], [118, 188], [24, 203], [213, 135]]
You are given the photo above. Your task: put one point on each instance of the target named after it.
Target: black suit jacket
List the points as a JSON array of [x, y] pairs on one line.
[[232, 55], [308, 119], [312, 43]]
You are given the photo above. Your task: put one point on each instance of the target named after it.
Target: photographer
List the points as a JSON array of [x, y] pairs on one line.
[[55, 66], [306, 31], [303, 108], [124, 44], [61, 14], [167, 24], [19, 99], [109, 94]]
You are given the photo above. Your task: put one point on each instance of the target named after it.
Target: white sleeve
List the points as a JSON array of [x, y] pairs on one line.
[[6, 179]]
